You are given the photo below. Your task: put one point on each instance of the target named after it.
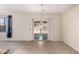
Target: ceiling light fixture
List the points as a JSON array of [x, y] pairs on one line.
[[42, 8]]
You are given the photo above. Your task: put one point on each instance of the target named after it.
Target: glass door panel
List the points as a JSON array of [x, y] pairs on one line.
[[40, 30]]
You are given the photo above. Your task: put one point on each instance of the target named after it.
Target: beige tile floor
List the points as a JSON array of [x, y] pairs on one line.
[[44, 47]]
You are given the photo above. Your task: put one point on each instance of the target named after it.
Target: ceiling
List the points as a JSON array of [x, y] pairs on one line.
[[35, 8]]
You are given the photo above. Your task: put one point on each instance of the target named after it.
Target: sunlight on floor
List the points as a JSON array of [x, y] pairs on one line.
[[40, 43]]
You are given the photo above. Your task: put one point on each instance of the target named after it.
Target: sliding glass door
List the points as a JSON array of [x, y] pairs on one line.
[[40, 30]]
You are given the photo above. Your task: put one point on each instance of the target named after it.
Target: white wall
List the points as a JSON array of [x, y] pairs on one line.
[[70, 26], [23, 21]]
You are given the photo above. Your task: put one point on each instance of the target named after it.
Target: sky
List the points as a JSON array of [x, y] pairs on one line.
[[1, 21]]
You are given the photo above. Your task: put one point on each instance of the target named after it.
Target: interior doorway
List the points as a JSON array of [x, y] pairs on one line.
[[40, 29]]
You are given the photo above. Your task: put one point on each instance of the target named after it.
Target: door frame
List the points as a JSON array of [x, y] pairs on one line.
[[49, 29]]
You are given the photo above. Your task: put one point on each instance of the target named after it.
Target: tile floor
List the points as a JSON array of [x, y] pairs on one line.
[[38, 47]]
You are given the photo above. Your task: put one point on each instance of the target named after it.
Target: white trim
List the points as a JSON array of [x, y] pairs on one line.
[[11, 39], [71, 46]]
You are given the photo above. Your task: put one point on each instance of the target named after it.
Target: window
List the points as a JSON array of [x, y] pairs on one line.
[[2, 24]]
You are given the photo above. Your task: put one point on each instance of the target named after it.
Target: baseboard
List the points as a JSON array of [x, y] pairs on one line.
[[13, 40], [55, 40], [71, 46]]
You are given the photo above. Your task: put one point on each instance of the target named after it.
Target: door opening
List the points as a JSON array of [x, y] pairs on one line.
[[40, 29]]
